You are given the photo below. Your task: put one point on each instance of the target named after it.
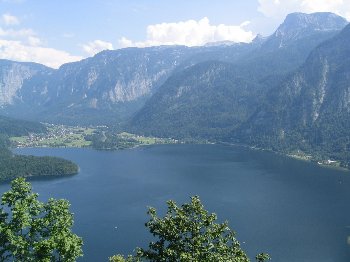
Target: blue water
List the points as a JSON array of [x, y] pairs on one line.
[[295, 211]]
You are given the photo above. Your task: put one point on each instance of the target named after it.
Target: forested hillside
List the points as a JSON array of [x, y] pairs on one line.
[[15, 127], [212, 99], [285, 92], [208, 100], [13, 165], [310, 110]]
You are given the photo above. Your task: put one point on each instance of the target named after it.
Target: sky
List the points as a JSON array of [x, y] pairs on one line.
[[53, 32]]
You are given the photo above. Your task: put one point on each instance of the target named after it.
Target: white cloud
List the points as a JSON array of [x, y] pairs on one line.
[[124, 42], [10, 19], [97, 46], [16, 50], [34, 41], [190, 33], [23, 44], [16, 33], [280, 8]]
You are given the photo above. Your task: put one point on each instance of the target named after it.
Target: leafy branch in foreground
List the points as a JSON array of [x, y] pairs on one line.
[[189, 233], [35, 231]]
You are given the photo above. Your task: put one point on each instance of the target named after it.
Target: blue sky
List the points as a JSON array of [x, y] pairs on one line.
[[58, 31]]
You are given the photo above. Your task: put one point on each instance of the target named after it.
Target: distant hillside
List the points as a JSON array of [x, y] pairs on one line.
[[207, 100], [289, 46], [288, 91], [113, 85], [310, 110], [104, 89], [14, 75], [211, 99], [15, 127]]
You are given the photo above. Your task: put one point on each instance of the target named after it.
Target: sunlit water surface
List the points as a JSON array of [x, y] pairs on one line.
[[293, 210]]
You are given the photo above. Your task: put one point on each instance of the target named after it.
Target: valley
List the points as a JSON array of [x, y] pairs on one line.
[[286, 92], [105, 121], [97, 137], [56, 136], [104, 138]]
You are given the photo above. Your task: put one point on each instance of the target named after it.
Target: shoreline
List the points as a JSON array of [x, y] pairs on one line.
[[307, 158]]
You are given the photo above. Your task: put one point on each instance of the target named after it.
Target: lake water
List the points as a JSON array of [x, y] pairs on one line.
[[295, 211]]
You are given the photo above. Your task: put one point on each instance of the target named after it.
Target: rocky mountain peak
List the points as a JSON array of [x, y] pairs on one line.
[[297, 25], [259, 39], [323, 21], [12, 77]]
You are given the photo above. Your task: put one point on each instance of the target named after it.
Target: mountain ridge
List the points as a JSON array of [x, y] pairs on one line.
[[115, 86], [311, 109], [261, 69]]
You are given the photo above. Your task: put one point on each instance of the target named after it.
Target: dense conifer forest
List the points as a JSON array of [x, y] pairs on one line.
[[13, 165]]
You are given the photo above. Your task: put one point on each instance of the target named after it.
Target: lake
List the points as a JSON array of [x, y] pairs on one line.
[[293, 210]]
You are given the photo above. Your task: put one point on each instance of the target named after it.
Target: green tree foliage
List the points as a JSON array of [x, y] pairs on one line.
[[189, 233], [18, 165], [31, 230], [110, 141], [120, 258], [16, 127], [262, 257], [12, 166]]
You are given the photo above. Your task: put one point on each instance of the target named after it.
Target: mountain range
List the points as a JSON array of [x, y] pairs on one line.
[[310, 109], [243, 84], [288, 91]]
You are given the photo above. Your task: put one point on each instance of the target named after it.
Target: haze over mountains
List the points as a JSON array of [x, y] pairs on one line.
[[311, 107], [290, 88], [241, 84]]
